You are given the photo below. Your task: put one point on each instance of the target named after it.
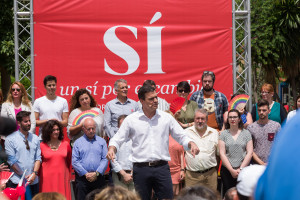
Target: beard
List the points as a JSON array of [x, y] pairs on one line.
[[207, 88], [201, 128], [25, 128]]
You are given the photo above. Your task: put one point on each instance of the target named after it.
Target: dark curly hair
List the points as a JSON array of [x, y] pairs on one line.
[[48, 129], [74, 102], [241, 125]]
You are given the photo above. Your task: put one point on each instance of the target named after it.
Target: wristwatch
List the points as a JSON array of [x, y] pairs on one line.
[[36, 173], [241, 168], [97, 173]]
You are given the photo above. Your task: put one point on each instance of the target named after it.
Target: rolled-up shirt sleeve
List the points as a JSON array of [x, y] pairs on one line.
[[10, 151], [116, 167], [37, 155], [177, 133]]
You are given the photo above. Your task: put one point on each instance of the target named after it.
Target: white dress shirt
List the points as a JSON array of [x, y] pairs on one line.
[[208, 146], [150, 137]]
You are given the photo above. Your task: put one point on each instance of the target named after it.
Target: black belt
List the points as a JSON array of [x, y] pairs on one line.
[[150, 164], [203, 171]]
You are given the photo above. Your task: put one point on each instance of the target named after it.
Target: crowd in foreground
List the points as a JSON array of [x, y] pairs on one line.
[[149, 147]]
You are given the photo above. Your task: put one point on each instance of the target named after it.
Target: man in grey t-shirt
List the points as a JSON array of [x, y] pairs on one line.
[[263, 133]]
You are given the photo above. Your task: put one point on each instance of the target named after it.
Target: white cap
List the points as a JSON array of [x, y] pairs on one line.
[[247, 179]]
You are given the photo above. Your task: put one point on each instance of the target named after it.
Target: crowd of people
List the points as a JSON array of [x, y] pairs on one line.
[[150, 148]]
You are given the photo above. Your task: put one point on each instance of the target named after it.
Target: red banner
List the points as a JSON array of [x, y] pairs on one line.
[[91, 43]]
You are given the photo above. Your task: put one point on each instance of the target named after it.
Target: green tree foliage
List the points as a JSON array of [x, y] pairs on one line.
[[275, 39], [7, 43]]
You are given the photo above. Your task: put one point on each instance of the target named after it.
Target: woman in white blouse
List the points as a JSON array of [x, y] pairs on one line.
[[17, 100]]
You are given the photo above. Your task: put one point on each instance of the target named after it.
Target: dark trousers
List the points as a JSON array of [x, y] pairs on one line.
[[227, 180], [31, 190], [83, 186], [157, 178]]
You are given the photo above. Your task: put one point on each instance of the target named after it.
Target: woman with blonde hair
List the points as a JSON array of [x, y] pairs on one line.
[[17, 100]]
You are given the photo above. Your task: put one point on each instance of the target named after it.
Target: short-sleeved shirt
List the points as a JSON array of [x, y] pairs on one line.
[[50, 109], [263, 136], [236, 150]]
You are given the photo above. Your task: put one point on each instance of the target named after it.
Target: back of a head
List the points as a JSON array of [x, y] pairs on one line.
[[49, 196], [116, 193], [231, 194], [198, 193]]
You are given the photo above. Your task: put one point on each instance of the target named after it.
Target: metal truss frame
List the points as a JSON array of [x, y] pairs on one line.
[[23, 33], [241, 45]]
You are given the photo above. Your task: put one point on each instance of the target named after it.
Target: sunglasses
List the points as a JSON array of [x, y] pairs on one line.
[[27, 145], [185, 91], [16, 89], [208, 72]]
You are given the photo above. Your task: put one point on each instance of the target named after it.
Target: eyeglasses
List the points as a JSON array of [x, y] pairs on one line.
[[27, 145], [233, 117], [265, 92], [16, 89], [185, 91]]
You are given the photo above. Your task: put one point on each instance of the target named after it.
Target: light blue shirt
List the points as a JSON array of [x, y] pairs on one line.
[[17, 153], [89, 155], [113, 110], [122, 161]]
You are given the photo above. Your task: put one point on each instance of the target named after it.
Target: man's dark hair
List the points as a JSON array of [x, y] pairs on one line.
[[208, 73], [198, 192], [149, 82], [120, 118], [49, 78], [263, 102], [22, 114], [143, 90]]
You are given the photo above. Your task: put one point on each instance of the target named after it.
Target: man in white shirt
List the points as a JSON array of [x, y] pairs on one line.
[[149, 131], [201, 169], [122, 166], [50, 106]]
